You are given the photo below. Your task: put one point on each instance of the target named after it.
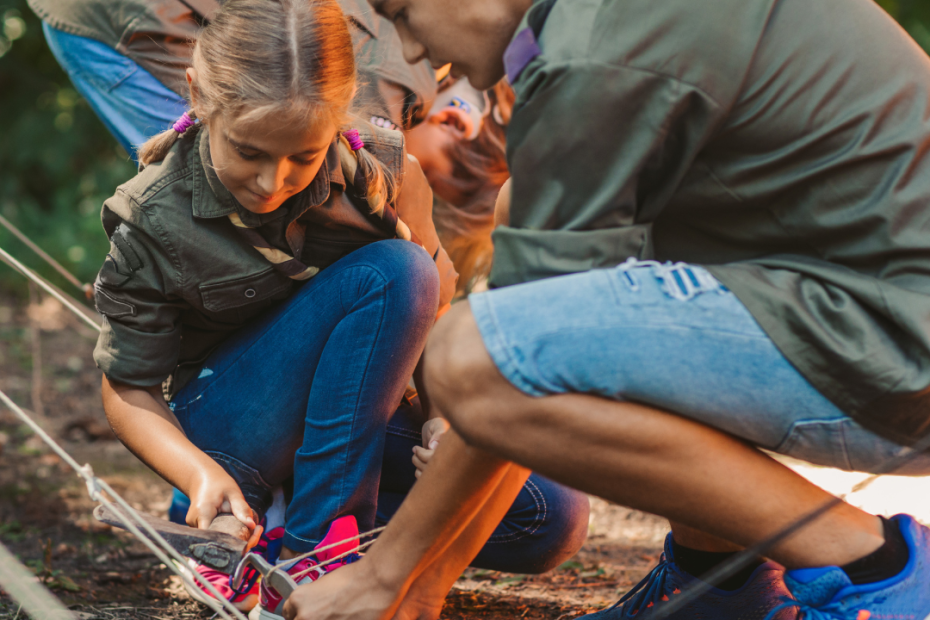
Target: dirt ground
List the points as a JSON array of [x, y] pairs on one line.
[[103, 573]]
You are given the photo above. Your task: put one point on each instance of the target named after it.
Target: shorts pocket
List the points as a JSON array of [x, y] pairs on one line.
[[821, 442]]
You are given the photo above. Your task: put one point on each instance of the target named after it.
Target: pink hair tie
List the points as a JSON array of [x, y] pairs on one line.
[[355, 142], [184, 123]]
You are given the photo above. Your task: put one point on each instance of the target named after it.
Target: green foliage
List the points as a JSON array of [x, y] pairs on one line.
[[57, 161], [914, 15]]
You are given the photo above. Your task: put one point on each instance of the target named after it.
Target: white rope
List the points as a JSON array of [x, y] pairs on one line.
[[51, 291], [22, 585], [153, 541], [293, 561], [67, 275], [319, 567]]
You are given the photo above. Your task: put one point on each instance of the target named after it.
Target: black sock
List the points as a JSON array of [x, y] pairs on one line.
[[698, 563], [883, 563]]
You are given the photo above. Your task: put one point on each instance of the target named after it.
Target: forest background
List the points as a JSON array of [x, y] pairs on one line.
[[58, 163]]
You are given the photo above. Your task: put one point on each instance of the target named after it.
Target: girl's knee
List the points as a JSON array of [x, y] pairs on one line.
[[409, 269]]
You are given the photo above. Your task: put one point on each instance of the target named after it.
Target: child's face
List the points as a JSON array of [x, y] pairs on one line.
[[265, 162], [471, 35], [430, 142]]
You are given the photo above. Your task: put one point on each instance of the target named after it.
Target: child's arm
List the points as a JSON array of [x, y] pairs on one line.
[[148, 428], [435, 426]]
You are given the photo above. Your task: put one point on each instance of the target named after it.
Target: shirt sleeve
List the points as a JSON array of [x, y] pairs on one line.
[[596, 150], [140, 341], [415, 208]]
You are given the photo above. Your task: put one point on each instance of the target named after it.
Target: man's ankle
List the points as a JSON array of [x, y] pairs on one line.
[[698, 563], [883, 563]]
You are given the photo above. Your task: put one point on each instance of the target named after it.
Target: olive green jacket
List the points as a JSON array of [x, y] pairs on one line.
[[159, 35], [179, 278], [784, 144]]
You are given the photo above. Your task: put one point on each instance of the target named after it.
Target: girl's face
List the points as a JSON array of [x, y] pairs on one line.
[[265, 162]]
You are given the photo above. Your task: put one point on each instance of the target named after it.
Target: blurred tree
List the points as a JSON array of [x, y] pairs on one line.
[[914, 15], [57, 161]]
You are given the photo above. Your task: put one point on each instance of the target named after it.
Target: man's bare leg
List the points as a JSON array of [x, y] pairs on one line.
[[634, 455], [638, 456], [699, 541]]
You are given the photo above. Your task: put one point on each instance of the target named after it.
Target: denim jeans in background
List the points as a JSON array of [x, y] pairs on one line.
[[132, 104]]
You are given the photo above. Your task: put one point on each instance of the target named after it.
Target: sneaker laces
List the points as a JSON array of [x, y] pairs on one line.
[[250, 575], [647, 592]]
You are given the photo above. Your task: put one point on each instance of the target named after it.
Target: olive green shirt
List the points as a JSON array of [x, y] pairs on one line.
[[784, 144], [180, 278], [159, 35]]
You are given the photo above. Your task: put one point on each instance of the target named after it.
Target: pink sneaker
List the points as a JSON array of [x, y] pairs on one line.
[[342, 528], [246, 597]]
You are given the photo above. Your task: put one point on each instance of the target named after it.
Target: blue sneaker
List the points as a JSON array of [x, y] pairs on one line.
[[758, 598], [828, 594]]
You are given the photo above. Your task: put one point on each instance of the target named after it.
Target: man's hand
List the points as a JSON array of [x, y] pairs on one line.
[[351, 593], [432, 432]]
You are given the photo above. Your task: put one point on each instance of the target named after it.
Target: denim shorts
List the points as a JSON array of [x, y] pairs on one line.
[[673, 337]]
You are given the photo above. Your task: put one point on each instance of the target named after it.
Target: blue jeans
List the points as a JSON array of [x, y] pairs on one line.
[[303, 397], [132, 104], [670, 336]]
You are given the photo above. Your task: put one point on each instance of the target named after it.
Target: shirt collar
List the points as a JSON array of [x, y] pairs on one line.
[[211, 199], [524, 46]]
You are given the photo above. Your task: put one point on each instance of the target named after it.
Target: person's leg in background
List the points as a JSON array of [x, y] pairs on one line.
[[132, 104]]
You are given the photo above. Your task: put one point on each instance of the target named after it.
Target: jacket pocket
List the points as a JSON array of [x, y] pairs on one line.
[[221, 295]]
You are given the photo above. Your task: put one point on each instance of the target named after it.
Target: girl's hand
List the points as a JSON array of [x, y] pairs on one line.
[[432, 432], [214, 492]]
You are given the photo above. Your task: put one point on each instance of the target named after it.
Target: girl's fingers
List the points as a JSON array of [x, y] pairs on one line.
[[421, 457], [254, 539], [205, 517], [241, 509]]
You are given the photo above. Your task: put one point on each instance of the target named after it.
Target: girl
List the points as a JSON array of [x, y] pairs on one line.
[[273, 275]]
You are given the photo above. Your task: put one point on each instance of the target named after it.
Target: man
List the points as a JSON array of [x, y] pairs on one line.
[[779, 150]]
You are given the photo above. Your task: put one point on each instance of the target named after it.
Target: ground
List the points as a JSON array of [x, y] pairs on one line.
[[45, 512]]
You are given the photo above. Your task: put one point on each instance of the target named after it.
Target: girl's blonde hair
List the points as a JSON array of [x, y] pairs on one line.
[[290, 58]]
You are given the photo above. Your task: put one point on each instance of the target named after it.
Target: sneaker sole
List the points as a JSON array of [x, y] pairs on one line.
[[205, 599], [264, 614]]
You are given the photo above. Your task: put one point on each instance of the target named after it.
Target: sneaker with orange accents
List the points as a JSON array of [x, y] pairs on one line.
[[312, 568], [246, 596], [828, 594], [760, 595]]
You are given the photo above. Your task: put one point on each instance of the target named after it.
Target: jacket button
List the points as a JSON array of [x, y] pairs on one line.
[[250, 293]]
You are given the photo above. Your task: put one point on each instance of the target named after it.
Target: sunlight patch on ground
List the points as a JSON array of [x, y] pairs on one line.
[[889, 495]]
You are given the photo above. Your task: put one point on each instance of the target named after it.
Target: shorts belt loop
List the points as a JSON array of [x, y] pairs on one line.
[[683, 282], [633, 263]]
